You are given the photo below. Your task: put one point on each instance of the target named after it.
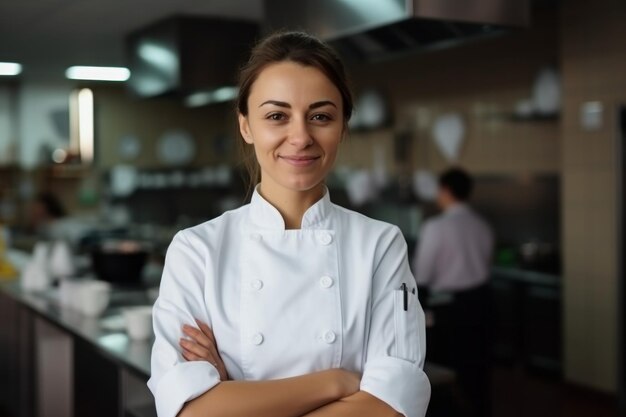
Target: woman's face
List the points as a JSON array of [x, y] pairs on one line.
[[295, 122]]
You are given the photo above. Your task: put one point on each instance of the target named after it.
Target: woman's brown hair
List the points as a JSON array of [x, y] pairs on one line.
[[298, 47]]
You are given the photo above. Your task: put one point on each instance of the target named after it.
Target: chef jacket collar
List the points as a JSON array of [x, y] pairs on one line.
[[264, 215]]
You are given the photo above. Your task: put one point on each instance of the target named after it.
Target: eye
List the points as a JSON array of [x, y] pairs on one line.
[[321, 117], [275, 117]]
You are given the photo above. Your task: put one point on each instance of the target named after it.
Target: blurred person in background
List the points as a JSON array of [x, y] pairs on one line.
[[452, 261]]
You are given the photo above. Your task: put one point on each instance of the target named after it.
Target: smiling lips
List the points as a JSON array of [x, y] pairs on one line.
[[299, 160]]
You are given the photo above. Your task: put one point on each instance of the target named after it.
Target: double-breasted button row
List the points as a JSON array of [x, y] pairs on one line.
[[328, 336], [323, 238], [325, 282]]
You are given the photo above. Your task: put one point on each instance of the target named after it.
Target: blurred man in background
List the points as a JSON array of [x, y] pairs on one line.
[[452, 261]]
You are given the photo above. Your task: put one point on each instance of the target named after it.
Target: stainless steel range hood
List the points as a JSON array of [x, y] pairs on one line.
[[371, 30], [191, 57]]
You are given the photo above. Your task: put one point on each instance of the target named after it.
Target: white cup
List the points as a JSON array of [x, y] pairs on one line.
[[69, 293], [35, 277], [138, 322], [94, 297], [61, 262], [41, 252]]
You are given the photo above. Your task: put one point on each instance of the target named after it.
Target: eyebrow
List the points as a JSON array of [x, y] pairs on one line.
[[315, 105]]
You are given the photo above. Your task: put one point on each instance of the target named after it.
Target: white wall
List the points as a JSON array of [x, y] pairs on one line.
[[7, 137], [36, 128], [593, 64]]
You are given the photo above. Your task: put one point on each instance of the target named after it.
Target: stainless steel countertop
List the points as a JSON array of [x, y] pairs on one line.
[[114, 344]]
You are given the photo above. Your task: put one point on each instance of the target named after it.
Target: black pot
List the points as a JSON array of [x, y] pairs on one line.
[[119, 262]]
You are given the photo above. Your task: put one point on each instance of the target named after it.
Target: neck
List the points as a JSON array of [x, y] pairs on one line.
[[291, 204], [447, 205]]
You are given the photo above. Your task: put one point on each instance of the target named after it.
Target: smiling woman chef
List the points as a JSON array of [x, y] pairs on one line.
[[304, 308]]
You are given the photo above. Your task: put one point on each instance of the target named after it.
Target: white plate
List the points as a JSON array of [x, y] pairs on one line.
[[448, 133], [129, 147], [176, 147], [124, 180], [372, 110], [547, 92], [425, 185]]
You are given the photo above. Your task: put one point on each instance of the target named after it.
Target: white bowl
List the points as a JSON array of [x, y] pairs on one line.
[[94, 297], [69, 293], [138, 322]]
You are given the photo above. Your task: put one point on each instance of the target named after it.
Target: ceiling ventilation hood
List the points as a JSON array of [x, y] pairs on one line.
[[195, 58], [373, 30]]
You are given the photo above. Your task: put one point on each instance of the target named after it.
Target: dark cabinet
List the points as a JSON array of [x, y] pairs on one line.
[[96, 383], [542, 329], [528, 319], [16, 363]]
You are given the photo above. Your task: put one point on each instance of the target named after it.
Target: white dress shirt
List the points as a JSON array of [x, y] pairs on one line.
[[290, 302], [454, 251]]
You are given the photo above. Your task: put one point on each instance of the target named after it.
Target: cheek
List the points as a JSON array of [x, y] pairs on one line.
[[264, 140], [330, 142]]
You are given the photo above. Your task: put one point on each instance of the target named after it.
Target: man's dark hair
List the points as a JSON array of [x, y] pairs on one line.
[[458, 182]]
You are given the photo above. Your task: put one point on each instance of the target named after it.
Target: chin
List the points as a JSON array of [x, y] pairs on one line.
[[303, 184]]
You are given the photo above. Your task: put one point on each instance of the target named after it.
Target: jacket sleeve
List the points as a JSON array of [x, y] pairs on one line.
[[396, 345], [174, 381]]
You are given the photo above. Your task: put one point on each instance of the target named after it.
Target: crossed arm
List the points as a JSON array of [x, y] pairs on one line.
[[333, 392], [356, 405]]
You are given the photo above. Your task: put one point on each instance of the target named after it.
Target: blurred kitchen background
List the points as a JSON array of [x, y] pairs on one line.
[[527, 95]]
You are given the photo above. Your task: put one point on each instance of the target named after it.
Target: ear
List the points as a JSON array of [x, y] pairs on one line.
[[244, 128]]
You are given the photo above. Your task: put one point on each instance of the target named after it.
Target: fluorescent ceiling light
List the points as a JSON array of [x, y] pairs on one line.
[[85, 124], [10, 68], [204, 98], [98, 73]]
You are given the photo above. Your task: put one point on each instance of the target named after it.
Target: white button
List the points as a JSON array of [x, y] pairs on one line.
[[326, 282], [255, 236], [257, 339], [257, 284], [330, 337], [325, 238]]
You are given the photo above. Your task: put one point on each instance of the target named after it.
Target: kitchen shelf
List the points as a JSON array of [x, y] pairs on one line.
[[517, 118], [536, 117], [68, 171]]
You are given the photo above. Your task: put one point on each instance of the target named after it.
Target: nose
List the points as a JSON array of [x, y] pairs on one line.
[[299, 134]]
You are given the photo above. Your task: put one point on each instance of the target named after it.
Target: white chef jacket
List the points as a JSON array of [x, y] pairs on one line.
[[284, 303], [454, 252]]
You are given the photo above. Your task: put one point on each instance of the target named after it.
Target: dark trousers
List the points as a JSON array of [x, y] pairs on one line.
[[461, 339]]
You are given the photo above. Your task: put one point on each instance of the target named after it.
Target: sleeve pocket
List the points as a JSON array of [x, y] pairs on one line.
[[406, 329]]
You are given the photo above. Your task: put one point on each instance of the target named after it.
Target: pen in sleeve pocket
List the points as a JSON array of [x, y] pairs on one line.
[[405, 294]]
